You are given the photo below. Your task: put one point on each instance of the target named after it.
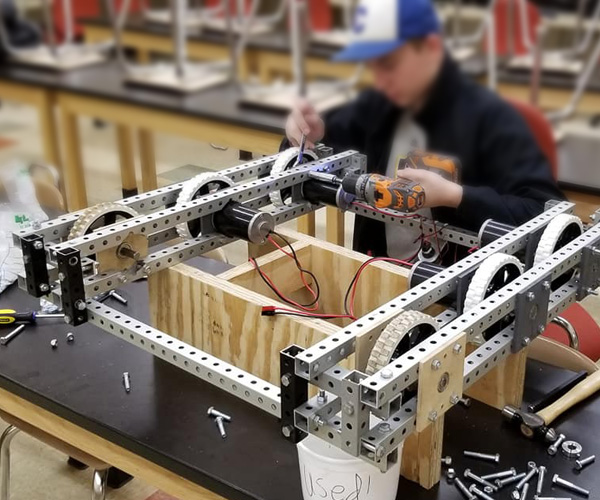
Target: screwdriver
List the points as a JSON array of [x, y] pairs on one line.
[[301, 151], [9, 316]]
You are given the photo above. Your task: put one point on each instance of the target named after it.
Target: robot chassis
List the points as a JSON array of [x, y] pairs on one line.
[[500, 297]]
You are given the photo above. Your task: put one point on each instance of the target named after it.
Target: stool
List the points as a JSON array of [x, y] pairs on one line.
[[15, 425]]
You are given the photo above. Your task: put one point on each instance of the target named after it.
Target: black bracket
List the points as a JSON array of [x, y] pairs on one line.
[[531, 313], [36, 270], [589, 273], [70, 274], [294, 393]]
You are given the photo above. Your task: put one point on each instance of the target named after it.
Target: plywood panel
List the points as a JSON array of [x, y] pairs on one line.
[[225, 320]]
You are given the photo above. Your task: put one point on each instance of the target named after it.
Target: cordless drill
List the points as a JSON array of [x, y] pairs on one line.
[[446, 166], [383, 192], [399, 194]]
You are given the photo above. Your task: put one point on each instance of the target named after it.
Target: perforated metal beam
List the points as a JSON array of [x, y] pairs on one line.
[[329, 352], [241, 384], [376, 390]]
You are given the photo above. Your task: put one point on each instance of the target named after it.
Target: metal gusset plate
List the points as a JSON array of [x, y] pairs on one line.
[[531, 313]]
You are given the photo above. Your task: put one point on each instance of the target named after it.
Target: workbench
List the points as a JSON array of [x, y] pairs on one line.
[[269, 56], [212, 116], [160, 432], [266, 54]]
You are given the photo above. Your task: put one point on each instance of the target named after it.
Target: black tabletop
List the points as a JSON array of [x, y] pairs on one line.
[[106, 81], [164, 419], [279, 42], [276, 41]]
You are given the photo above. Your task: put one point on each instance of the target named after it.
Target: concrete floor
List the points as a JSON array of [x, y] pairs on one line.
[[39, 472]]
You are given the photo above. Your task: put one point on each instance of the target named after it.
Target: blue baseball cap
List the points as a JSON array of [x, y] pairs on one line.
[[382, 26]]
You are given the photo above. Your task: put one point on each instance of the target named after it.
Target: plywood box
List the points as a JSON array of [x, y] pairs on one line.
[[222, 314]]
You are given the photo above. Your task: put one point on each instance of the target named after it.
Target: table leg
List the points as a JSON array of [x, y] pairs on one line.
[[335, 229], [148, 160], [143, 56], [126, 157], [73, 173], [245, 155], [306, 224], [49, 135]]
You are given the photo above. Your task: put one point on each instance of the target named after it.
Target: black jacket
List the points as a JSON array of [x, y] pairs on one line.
[[504, 173]]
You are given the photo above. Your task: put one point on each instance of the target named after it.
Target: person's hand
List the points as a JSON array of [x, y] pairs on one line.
[[439, 192], [304, 119]]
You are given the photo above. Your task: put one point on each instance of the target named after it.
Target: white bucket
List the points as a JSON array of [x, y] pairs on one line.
[[329, 473]]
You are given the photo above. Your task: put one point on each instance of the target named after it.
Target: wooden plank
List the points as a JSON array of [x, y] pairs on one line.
[[586, 204], [141, 117], [440, 379], [422, 455], [225, 320], [104, 450], [335, 229], [74, 177], [307, 224], [126, 158], [147, 159], [504, 384]]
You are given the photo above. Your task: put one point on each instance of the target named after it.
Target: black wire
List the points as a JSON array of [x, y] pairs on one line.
[[306, 315], [277, 292], [302, 270], [367, 262]]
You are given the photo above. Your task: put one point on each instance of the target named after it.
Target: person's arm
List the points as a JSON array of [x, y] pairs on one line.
[[513, 179], [516, 179]]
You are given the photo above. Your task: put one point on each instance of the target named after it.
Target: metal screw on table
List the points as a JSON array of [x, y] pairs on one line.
[[558, 481], [450, 475], [70, 337], [54, 343], [127, 382], [482, 456], [553, 448], [581, 464], [540, 482], [532, 472], [15, 333], [464, 490], [216, 414], [501, 483], [479, 493], [446, 460], [469, 475], [524, 491], [117, 296], [221, 426], [501, 475], [550, 498]]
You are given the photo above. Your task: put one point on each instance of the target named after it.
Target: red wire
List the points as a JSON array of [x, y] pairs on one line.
[[362, 268], [299, 265], [333, 316], [294, 303]]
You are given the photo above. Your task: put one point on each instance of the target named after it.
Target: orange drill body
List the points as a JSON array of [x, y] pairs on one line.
[[446, 166]]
